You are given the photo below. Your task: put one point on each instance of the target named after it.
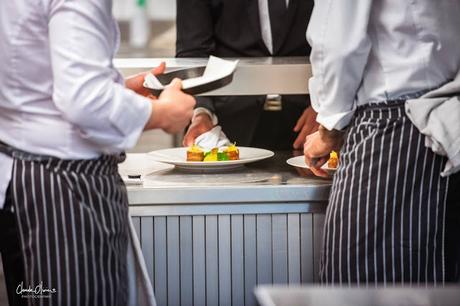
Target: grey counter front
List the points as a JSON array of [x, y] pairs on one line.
[[209, 239]]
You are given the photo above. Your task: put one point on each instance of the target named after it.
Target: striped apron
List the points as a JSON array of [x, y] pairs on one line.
[[387, 217], [74, 231]]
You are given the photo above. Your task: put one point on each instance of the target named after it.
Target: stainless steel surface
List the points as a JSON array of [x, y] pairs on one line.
[[254, 76], [335, 296], [276, 182]]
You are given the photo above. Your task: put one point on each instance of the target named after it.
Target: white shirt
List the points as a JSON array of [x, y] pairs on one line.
[[367, 51], [265, 24], [59, 92]]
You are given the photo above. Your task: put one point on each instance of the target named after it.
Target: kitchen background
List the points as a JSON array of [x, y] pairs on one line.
[[161, 41]]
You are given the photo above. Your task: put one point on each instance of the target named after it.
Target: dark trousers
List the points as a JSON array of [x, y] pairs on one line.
[[275, 129], [10, 249], [453, 230]]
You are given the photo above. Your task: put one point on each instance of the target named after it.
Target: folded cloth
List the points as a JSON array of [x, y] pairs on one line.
[[437, 116], [215, 138]]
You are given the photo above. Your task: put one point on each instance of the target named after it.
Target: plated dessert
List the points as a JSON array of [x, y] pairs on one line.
[[331, 165], [199, 159], [333, 161], [198, 154]]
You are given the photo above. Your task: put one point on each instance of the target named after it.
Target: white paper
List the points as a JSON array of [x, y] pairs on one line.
[[216, 69]]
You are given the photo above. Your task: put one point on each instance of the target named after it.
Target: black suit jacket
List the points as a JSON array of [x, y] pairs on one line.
[[231, 28]]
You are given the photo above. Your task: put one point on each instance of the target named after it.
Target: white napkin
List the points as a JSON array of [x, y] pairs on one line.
[[436, 116], [215, 138], [437, 119]]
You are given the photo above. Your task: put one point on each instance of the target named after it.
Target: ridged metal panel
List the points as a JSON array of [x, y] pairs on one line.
[[199, 261], [173, 252], [160, 257], [219, 259], [318, 225], [306, 249], [186, 261]]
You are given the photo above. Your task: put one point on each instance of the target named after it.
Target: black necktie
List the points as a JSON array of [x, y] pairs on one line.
[[277, 10]]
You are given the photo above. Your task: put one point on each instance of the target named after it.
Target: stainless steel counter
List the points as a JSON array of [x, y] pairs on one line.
[[209, 239], [254, 76], [268, 181]]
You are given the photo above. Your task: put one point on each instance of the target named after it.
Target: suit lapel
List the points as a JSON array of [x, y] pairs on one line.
[[280, 38], [254, 20]]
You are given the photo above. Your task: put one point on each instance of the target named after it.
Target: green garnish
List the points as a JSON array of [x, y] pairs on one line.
[[222, 156]]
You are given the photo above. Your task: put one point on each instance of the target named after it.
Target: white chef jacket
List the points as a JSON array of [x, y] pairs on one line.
[[59, 92], [366, 51]]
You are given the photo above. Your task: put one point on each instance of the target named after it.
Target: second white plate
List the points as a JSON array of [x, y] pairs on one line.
[[299, 161]]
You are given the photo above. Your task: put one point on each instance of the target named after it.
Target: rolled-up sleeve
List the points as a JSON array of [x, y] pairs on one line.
[[340, 45], [87, 89]]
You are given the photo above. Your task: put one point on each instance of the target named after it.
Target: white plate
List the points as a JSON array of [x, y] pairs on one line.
[[299, 162], [178, 158]]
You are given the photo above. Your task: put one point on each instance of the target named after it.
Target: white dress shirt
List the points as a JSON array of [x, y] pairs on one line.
[[366, 51], [265, 24], [59, 92]]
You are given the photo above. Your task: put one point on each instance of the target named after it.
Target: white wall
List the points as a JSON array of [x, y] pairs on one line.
[[158, 9]]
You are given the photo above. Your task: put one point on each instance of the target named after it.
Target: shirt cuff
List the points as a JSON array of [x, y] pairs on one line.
[[331, 114], [202, 110], [335, 121], [130, 118]]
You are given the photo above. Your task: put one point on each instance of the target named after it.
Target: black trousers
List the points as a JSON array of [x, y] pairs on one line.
[[10, 249], [274, 130], [391, 218], [67, 237]]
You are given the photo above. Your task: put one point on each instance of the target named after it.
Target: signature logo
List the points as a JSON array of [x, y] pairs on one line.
[[38, 291]]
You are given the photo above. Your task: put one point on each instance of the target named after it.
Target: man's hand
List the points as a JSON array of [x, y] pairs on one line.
[[173, 109], [305, 126], [136, 82], [318, 146], [201, 124]]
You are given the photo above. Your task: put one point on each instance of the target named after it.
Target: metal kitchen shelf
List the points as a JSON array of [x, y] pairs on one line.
[[254, 76]]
